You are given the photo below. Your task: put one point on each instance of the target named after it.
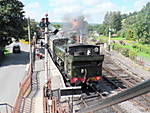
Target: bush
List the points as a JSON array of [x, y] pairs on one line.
[[142, 48], [132, 54], [145, 49], [125, 52], [128, 52], [117, 47]]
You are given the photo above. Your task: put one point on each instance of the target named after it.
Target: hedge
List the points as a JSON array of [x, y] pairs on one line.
[[125, 51], [142, 48]]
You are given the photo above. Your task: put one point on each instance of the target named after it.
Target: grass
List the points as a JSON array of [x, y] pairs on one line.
[[141, 54], [144, 55], [117, 38], [129, 47], [102, 37], [6, 52], [112, 38]]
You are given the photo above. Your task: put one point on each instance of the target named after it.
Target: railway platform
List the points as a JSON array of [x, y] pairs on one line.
[[55, 75], [38, 98], [56, 83]]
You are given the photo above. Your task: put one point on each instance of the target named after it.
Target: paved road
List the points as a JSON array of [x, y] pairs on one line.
[[12, 71]]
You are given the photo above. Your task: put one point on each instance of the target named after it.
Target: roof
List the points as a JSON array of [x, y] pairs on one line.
[[57, 38], [81, 45]]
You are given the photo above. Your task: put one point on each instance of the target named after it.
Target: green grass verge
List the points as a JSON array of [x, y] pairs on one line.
[[144, 55], [136, 50], [141, 49], [117, 38], [112, 38]]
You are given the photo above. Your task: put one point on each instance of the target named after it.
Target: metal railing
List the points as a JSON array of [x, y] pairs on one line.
[[24, 85], [46, 107], [6, 108], [128, 94]]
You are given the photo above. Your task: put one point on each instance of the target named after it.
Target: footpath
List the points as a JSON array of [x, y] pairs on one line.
[[33, 101], [38, 97]]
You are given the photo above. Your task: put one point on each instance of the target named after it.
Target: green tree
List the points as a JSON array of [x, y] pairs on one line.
[[137, 25], [11, 19], [33, 27], [146, 22], [117, 21], [113, 20], [57, 26]]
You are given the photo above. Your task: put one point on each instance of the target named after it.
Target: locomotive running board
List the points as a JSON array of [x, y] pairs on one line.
[[67, 92]]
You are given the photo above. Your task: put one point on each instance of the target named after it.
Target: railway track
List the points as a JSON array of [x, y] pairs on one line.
[[115, 79], [86, 101], [127, 80], [104, 90]]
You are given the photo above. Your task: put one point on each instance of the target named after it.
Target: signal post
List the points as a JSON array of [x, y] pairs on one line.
[[44, 25], [47, 102], [46, 47]]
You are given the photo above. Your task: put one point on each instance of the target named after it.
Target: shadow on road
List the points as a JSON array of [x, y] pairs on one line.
[[15, 59]]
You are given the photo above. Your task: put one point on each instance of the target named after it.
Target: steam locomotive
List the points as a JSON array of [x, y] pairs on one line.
[[79, 63]]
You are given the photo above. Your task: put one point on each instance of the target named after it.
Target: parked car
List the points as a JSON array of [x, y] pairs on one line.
[[16, 49]]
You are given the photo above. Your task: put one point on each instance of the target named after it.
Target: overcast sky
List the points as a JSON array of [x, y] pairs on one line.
[[93, 10]]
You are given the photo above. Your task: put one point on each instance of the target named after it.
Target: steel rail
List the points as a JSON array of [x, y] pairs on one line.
[[128, 94], [129, 82]]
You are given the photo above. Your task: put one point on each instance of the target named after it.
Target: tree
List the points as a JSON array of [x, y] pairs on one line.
[[33, 27], [116, 21], [113, 20], [11, 19], [146, 22], [57, 26], [137, 25]]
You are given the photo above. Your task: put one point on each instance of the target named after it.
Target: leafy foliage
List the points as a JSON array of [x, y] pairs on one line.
[[112, 20], [33, 27], [138, 24], [11, 20], [133, 26], [57, 26], [126, 51]]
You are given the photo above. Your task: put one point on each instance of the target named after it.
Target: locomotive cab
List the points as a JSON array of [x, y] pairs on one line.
[[84, 50]]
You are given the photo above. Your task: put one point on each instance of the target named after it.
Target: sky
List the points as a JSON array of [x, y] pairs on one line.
[[93, 10]]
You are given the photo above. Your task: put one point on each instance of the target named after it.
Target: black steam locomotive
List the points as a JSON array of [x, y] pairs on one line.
[[79, 63]]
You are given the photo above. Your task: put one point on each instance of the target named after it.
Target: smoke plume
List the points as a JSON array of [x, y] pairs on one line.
[[76, 28]]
